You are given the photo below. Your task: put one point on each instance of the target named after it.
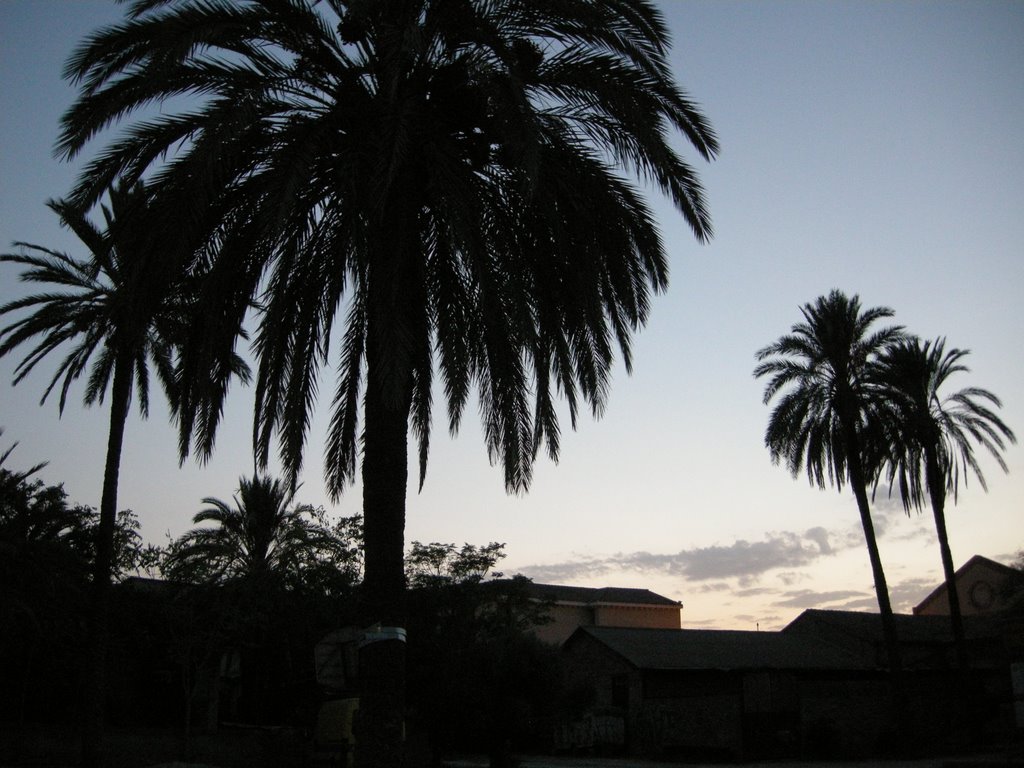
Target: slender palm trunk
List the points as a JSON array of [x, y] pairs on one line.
[[892, 646], [858, 483], [937, 494], [93, 720], [385, 478]]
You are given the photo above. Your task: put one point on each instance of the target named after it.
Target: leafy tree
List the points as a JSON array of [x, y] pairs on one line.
[[452, 176], [42, 583], [478, 677], [825, 418], [1013, 588], [47, 547], [443, 564], [931, 439], [119, 312]]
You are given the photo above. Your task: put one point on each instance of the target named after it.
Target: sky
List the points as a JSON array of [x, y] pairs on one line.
[[873, 147]]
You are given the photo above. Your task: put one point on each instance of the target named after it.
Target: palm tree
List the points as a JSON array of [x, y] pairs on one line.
[[260, 550], [262, 540], [449, 181], [826, 412], [119, 312], [932, 440]]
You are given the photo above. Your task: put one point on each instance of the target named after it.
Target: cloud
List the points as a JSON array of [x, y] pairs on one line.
[[920, 531], [718, 586], [866, 603], [789, 578], [820, 537], [572, 570], [886, 500], [742, 559], [741, 564], [809, 598], [908, 593]]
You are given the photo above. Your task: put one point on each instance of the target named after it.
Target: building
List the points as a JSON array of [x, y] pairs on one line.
[[573, 607], [717, 694], [983, 586], [817, 689]]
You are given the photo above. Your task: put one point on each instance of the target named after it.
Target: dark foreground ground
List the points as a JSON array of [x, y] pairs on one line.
[[987, 760], [37, 747], [50, 747]]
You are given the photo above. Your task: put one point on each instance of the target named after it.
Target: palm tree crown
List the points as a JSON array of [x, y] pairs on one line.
[[925, 417], [107, 309], [450, 175], [261, 538], [820, 373]]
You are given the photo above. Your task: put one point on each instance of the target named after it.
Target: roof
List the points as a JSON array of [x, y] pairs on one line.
[[909, 629], [598, 595], [926, 641], [716, 649]]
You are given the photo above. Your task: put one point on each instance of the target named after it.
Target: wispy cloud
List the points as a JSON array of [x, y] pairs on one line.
[[742, 559], [905, 594], [809, 598], [737, 572], [717, 586]]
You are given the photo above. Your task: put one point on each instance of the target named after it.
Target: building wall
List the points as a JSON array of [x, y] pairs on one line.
[[564, 621], [980, 589], [689, 715], [565, 618], [843, 715], [616, 685], [649, 616]]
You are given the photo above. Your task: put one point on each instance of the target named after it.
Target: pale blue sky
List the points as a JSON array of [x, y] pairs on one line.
[[874, 147]]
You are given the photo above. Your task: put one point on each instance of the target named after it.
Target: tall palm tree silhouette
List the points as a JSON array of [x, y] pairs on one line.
[[825, 412], [932, 436], [119, 313], [438, 187]]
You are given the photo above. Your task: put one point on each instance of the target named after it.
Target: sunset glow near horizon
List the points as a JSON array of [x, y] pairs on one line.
[[875, 148]]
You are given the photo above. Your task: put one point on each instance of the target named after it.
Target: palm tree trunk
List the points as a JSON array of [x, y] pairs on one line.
[[937, 493], [892, 646], [900, 700], [385, 477], [93, 721], [858, 483]]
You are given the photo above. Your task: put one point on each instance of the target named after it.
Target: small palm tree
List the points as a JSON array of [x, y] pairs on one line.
[[261, 540], [932, 437], [825, 411], [119, 311], [262, 551]]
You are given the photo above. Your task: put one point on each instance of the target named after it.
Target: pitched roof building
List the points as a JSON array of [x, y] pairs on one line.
[[572, 607], [818, 688], [983, 586]]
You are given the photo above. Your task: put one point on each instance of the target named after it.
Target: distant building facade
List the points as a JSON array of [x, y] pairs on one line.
[[817, 689], [574, 607], [983, 586]]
